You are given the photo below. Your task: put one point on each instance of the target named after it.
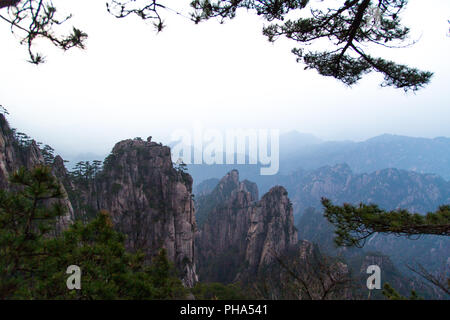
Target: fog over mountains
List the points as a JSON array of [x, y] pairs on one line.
[[307, 152], [224, 227], [386, 151], [389, 170]]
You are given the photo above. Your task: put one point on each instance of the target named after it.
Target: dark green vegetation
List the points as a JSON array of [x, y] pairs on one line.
[[34, 254], [357, 223], [392, 294], [37, 244], [347, 27], [416, 261], [407, 262], [219, 291], [390, 189]]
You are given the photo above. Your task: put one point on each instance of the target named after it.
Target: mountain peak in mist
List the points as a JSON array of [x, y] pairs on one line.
[[292, 140]]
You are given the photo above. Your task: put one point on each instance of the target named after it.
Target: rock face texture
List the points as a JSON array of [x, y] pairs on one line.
[[239, 234], [205, 187], [16, 153], [389, 188], [272, 229], [224, 217], [148, 199]]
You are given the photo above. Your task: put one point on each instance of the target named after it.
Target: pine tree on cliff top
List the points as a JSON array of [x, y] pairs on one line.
[[33, 261]]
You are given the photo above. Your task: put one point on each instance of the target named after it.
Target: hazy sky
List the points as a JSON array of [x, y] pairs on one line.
[[133, 82]]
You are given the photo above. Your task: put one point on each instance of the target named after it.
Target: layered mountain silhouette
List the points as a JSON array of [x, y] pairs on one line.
[[307, 152], [231, 225]]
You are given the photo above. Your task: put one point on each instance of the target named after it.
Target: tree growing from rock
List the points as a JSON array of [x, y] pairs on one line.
[[34, 259]]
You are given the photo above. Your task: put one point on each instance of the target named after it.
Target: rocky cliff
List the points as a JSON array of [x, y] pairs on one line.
[[148, 199], [389, 188], [272, 229], [205, 187], [16, 151], [239, 234]]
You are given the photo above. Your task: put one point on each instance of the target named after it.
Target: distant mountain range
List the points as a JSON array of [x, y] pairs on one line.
[[305, 151], [386, 151], [389, 188], [224, 212], [227, 230]]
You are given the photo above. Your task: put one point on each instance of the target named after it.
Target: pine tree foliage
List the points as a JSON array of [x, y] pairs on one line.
[[85, 170], [146, 10], [34, 19], [34, 259], [354, 224], [391, 294], [346, 29], [219, 291], [49, 154], [24, 224]]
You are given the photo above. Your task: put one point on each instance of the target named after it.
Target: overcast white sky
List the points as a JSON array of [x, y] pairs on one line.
[[132, 82]]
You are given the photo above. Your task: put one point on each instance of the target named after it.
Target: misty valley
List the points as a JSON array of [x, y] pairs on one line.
[[224, 158], [221, 237]]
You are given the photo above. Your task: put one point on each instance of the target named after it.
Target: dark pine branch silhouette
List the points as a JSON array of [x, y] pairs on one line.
[[354, 224], [345, 29], [38, 19]]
